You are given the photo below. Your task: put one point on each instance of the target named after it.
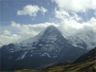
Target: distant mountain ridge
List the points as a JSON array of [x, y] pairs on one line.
[[85, 38], [48, 47]]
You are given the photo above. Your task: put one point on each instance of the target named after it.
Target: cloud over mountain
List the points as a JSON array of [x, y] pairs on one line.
[[31, 10], [76, 5], [66, 18], [22, 32], [70, 24]]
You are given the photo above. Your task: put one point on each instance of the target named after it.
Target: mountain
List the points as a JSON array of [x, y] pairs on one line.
[[48, 47]]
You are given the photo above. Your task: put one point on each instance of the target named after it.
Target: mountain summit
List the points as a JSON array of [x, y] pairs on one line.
[[48, 47]]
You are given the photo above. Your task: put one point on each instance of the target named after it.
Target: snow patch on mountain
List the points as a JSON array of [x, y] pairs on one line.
[[83, 39], [22, 56], [46, 54]]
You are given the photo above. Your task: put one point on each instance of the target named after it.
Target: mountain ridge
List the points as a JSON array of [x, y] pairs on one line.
[[87, 63], [50, 47]]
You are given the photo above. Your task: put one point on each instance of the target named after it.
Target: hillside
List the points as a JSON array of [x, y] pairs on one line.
[[87, 66], [86, 63], [49, 47]]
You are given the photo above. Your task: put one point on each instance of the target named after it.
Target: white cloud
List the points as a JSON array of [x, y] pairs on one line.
[[70, 24], [22, 32], [7, 37], [68, 27], [91, 23], [76, 5], [31, 29], [31, 10], [63, 15], [43, 10]]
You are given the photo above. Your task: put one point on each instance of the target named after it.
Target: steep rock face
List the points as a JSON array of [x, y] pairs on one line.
[[46, 48]]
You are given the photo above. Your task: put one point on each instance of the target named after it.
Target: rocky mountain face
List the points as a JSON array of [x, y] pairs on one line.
[[85, 63], [48, 47]]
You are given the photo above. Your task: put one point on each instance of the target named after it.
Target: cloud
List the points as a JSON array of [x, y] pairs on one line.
[[17, 32], [30, 29], [71, 27], [31, 10], [76, 5], [43, 10], [68, 27], [7, 37], [69, 24]]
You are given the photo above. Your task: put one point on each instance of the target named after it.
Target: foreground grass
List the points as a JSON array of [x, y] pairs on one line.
[[88, 66], [28, 70]]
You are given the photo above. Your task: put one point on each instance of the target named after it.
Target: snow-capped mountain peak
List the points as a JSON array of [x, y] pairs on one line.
[[48, 46]]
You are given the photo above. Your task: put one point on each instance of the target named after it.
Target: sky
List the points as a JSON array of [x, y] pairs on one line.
[[21, 19]]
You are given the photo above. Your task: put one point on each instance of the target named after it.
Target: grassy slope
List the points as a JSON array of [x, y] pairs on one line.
[[87, 66], [86, 63]]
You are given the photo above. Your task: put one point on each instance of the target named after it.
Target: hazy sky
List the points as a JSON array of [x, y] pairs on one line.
[[21, 19]]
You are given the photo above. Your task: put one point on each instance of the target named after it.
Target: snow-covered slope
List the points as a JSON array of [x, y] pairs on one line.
[[84, 38], [48, 47]]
